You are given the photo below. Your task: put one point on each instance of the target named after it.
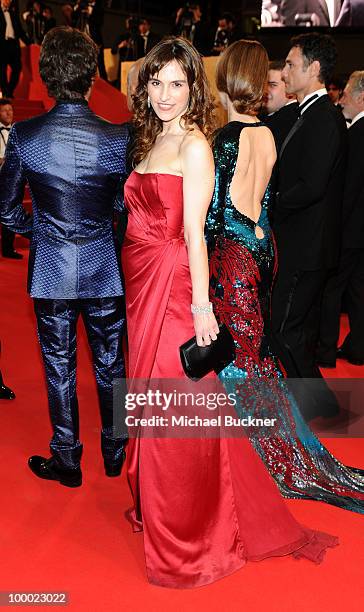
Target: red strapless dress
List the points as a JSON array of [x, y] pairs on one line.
[[205, 506]]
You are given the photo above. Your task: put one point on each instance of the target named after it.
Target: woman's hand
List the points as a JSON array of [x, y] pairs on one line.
[[206, 328]]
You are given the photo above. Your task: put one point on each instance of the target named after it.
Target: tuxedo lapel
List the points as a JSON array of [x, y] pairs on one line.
[[344, 17], [2, 20], [305, 115], [325, 9], [294, 129], [339, 5]]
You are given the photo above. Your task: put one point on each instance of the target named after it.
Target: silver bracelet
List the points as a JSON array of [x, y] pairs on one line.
[[201, 309]]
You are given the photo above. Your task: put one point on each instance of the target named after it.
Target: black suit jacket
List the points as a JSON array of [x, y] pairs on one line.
[[307, 221], [152, 40], [353, 208], [95, 21], [281, 122], [18, 30], [352, 14], [290, 8]]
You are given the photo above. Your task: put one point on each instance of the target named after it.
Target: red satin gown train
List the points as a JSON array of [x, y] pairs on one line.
[[206, 506]]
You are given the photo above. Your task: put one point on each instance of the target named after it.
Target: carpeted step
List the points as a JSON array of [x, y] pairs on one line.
[[25, 109]]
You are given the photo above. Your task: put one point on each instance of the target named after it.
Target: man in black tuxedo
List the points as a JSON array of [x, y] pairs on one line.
[[190, 24], [308, 211], [88, 17], [6, 122], [350, 275], [318, 10], [10, 33], [281, 108], [146, 39], [281, 114]]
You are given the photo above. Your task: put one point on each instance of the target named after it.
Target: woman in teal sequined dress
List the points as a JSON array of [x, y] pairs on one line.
[[242, 269]]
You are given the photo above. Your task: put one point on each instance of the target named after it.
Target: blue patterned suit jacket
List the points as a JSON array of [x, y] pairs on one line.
[[74, 164]]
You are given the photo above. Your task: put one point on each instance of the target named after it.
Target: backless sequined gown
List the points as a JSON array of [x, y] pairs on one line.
[[242, 270], [205, 506]]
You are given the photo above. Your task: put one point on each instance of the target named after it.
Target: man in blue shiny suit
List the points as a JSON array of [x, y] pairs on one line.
[[74, 164]]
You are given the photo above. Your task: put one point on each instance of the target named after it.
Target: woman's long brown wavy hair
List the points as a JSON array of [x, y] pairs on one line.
[[200, 108]]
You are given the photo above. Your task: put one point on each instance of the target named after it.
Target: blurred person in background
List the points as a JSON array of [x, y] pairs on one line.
[[146, 38], [5, 392], [67, 14], [88, 17], [132, 82], [226, 33], [11, 32], [49, 20], [190, 25], [33, 17], [6, 122], [349, 278], [335, 87], [281, 108], [125, 43]]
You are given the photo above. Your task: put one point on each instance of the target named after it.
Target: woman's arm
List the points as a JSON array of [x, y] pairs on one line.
[[198, 186]]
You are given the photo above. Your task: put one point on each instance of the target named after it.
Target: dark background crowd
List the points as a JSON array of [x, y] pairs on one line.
[[129, 32], [212, 29]]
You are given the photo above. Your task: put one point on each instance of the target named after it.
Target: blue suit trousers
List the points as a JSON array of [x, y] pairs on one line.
[[104, 320]]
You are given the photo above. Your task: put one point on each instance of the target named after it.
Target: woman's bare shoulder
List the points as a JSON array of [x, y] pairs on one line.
[[194, 142]]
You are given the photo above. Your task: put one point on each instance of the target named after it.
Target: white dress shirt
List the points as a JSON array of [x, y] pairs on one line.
[[4, 135], [356, 118], [331, 10], [9, 31], [318, 93]]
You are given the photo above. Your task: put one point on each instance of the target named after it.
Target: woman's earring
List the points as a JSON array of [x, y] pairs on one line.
[[148, 102]]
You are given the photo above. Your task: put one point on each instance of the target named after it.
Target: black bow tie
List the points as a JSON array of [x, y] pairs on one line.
[[306, 102], [5, 128]]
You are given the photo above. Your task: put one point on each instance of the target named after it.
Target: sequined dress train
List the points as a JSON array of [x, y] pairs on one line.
[[242, 270]]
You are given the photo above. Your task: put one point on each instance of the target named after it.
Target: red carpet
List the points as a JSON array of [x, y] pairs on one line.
[[56, 539]]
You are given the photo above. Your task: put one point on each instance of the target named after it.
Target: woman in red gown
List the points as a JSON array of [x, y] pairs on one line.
[[205, 506]]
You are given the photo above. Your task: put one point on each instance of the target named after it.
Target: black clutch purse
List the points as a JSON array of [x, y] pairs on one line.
[[197, 361]]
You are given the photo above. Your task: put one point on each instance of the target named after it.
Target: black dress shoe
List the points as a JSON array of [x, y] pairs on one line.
[[47, 469], [6, 393], [114, 469], [12, 255], [341, 354]]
